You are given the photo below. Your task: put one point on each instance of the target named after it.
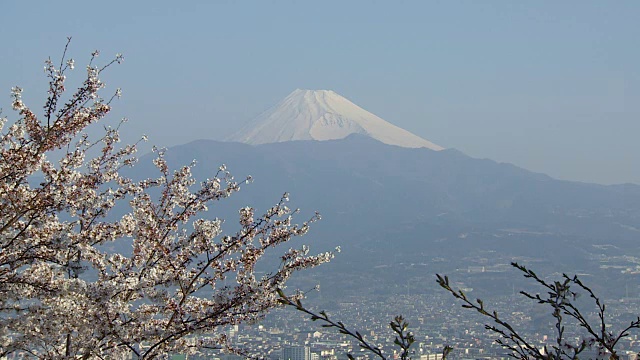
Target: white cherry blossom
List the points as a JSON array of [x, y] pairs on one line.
[[78, 281]]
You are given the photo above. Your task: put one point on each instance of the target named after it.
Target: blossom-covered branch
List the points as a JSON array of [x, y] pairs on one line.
[[77, 281]]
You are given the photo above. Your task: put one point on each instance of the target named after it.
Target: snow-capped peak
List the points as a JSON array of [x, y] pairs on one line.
[[322, 115]]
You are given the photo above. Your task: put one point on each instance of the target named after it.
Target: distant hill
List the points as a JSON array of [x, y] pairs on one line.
[[403, 208], [409, 201]]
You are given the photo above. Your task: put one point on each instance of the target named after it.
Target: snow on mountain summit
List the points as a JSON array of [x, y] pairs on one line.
[[322, 115]]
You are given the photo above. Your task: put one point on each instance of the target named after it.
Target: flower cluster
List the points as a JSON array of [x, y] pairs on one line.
[[79, 281]]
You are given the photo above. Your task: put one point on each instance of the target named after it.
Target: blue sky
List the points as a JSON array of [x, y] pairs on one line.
[[550, 86]]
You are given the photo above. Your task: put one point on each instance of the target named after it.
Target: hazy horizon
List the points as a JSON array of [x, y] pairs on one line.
[[550, 87]]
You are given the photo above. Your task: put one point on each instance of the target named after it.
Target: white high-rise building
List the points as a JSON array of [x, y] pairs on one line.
[[296, 353]]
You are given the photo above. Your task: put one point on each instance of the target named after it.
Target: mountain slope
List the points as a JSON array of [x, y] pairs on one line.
[[322, 115], [359, 184], [396, 210]]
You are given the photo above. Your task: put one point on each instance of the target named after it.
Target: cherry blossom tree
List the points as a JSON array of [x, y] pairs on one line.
[[64, 295]]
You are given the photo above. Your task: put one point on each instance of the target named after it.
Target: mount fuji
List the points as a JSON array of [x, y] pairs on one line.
[[395, 206], [323, 115]]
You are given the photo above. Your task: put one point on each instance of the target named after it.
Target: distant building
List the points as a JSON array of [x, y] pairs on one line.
[[431, 357], [296, 353]]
